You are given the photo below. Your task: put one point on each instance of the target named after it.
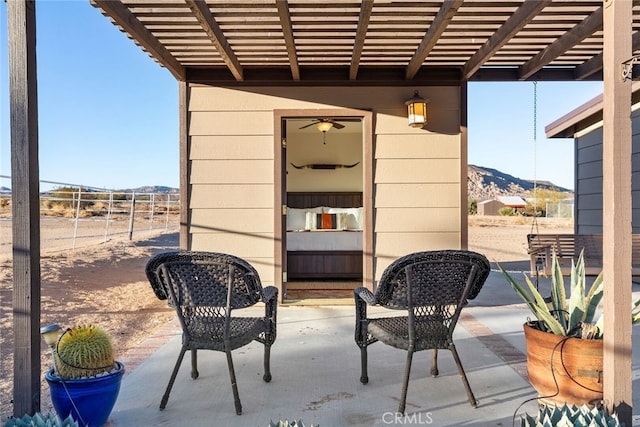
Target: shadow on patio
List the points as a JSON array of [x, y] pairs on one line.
[[316, 370]]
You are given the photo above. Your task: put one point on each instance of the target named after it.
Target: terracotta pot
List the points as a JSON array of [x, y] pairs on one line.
[[577, 365]]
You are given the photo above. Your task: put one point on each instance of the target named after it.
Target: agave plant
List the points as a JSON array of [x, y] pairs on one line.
[[286, 423], [41, 420], [574, 316], [566, 416]]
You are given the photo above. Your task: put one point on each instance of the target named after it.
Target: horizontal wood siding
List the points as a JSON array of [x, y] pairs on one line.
[[412, 195], [232, 146], [589, 179], [588, 213], [416, 171], [417, 182], [635, 171]]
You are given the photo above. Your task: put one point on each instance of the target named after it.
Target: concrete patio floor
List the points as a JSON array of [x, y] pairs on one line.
[[315, 365]]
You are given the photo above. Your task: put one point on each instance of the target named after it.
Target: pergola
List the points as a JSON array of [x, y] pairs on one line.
[[346, 42]]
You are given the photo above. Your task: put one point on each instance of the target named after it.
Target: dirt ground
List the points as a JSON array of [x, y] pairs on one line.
[[105, 284]]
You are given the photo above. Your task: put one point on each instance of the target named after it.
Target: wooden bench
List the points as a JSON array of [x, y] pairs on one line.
[[567, 248]]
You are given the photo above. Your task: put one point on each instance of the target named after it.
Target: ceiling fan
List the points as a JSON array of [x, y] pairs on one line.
[[329, 123], [324, 124]]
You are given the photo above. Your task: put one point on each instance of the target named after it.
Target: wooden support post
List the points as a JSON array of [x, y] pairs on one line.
[[185, 165], [25, 206], [617, 209]]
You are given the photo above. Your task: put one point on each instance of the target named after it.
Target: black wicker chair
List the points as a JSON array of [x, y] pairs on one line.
[[205, 288], [432, 287]]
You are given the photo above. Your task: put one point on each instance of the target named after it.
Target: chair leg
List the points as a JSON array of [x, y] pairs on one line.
[[176, 368], [405, 385], [194, 364], [470, 396], [234, 385], [364, 376], [267, 363], [434, 363]]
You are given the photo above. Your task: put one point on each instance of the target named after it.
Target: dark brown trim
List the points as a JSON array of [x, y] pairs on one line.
[[367, 193], [334, 76], [279, 192], [464, 162]]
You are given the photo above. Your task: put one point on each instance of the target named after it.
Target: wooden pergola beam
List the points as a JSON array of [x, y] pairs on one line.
[[520, 18], [25, 192], [594, 65], [439, 24], [289, 41], [569, 39], [129, 23], [361, 33], [202, 13]]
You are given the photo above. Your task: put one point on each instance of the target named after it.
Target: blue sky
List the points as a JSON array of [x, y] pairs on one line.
[[108, 114]]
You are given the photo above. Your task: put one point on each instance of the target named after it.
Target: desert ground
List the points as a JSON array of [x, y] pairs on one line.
[[104, 282]]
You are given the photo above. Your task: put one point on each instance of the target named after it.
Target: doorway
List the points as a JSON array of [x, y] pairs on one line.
[[323, 182]]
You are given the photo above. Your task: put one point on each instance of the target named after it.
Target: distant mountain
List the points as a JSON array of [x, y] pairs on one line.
[[486, 183], [483, 184]]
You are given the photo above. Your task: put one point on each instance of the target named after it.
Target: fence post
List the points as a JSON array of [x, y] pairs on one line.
[[131, 214], [166, 223], [109, 209], [153, 200], [75, 227]]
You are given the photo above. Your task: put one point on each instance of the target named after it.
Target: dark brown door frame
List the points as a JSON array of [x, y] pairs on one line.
[[280, 188]]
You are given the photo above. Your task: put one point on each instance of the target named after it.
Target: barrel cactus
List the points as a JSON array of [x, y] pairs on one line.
[[84, 351], [567, 416]]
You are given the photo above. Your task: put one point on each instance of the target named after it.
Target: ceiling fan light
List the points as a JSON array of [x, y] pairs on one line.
[[324, 126], [417, 110]]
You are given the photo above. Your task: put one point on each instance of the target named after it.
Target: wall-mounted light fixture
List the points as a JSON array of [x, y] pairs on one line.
[[417, 110]]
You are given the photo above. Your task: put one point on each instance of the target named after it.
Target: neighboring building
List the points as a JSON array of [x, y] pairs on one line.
[[489, 207], [493, 206], [584, 125], [515, 202]]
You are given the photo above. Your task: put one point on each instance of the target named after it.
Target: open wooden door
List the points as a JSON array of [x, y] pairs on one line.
[[280, 203]]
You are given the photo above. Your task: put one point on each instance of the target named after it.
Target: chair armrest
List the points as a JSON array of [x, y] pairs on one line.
[[365, 295], [269, 293]]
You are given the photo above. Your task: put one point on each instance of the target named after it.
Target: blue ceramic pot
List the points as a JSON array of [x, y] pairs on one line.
[[94, 398]]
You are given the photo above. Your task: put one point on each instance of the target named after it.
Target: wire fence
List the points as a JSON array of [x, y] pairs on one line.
[[71, 218]]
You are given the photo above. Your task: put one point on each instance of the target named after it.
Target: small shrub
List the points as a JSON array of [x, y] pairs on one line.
[[506, 211], [472, 206]]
